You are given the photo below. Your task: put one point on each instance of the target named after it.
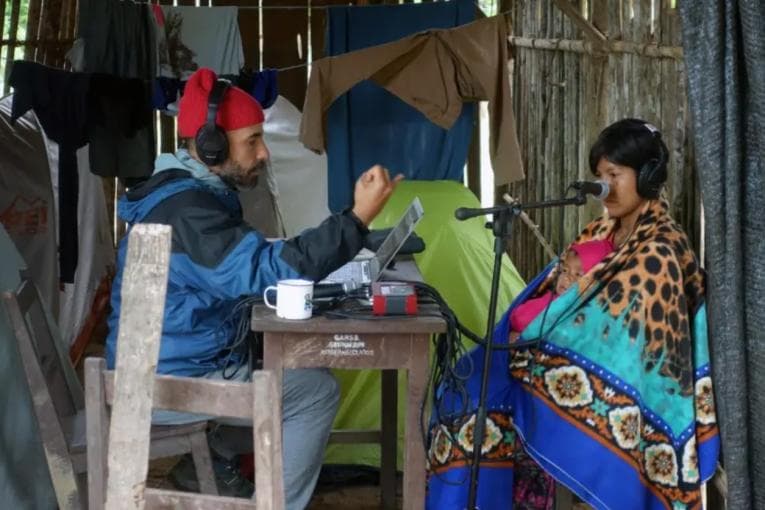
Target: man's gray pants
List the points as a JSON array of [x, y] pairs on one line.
[[309, 404]]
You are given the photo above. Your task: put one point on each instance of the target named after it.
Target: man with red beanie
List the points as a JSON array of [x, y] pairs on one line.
[[217, 259]]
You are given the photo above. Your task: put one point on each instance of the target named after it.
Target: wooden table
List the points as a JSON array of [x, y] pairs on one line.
[[390, 344]]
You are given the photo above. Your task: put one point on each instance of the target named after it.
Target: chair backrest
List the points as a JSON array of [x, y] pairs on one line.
[[259, 401], [49, 350], [56, 393], [137, 389]]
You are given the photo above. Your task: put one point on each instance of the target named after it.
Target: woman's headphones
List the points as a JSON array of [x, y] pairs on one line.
[[653, 173], [211, 142]]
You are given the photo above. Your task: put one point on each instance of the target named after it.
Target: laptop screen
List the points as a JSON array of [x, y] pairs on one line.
[[398, 235]]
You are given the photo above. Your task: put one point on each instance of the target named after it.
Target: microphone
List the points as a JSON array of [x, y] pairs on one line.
[[328, 290], [598, 189], [464, 213]]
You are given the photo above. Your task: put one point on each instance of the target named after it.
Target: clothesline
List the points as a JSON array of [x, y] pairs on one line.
[[289, 68], [288, 7], [303, 7]]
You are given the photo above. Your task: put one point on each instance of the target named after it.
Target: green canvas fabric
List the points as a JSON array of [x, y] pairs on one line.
[[458, 262]]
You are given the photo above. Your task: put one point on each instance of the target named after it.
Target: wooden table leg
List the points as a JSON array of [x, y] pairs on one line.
[[272, 351], [414, 452], [388, 439]]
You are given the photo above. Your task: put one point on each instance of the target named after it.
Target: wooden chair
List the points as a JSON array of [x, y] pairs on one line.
[[258, 401], [59, 403], [134, 389]]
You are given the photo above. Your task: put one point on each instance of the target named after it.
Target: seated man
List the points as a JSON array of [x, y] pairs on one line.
[[217, 259]]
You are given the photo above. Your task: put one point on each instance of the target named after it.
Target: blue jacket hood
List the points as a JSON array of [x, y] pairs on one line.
[[173, 173]]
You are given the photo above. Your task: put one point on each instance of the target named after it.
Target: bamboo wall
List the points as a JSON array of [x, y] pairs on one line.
[[39, 30], [563, 97], [287, 29], [566, 87]]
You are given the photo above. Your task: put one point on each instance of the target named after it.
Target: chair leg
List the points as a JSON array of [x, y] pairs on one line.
[[564, 499], [200, 451]]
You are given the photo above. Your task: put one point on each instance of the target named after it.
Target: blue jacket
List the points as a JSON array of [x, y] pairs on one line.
[[216, 260]]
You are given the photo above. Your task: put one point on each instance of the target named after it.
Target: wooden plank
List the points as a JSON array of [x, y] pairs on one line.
[[414, 458], [71, 31], [550, 136], [588, 29], [12, 37], [167, 133], [577, 157], [267, 439], [264, 319], [388, 438], [387, 351], [537, 126], [50, 353], [51, 434], [144, 287], [596, 94], [170, 500], [2, 29], [32, 28], [49, 29], [200, 452], [97, 425], [64, 25], [285, 44], [645, 50], [564, 499], [194, 395], [37, 43]]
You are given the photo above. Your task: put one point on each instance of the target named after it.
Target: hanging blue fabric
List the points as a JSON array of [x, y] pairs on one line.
[[369, 125], [262, 85]]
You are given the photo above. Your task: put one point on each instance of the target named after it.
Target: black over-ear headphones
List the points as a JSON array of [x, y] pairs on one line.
[[211, 141], [654, 172]]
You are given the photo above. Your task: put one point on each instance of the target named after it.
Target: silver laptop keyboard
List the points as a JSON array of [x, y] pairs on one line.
[[356, 270]]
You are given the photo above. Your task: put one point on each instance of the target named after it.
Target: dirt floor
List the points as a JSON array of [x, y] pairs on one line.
[[328, 496]]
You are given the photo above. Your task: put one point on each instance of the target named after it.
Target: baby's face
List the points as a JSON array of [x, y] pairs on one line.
[[570, 271]]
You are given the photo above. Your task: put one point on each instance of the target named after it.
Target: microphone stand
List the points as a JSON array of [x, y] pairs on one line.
[[503, 216]]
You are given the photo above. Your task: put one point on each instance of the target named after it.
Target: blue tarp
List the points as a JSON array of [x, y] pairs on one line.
[[369, 125]]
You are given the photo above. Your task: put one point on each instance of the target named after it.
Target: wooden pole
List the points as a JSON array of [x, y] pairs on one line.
[[33, 28], [140, 328], [644, 50], [12, 34], [590, 31], [596, 115]]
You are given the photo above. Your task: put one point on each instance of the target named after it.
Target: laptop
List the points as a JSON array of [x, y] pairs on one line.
[[367, 266]]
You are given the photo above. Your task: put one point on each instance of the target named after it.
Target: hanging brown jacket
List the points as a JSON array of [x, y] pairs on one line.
[[435, 72]]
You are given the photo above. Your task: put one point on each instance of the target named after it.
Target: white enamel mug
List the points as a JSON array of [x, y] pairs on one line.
[[294, 299]]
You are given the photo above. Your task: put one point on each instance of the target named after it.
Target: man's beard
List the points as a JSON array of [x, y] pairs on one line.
[[234, 175]]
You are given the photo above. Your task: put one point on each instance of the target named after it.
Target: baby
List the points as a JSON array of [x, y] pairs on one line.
[[579, 259]]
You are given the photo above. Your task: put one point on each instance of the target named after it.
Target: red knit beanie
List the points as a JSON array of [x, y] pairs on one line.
[[237, 110]]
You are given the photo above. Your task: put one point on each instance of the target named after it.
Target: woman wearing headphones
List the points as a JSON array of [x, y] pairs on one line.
[[609, 389]]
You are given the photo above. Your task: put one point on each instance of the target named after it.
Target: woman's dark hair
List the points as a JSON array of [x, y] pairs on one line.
[[634, 143]]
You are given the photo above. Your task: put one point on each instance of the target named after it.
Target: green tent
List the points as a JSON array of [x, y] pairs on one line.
[[458, 262]]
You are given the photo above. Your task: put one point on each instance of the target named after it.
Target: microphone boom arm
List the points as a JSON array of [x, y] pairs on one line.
[[464, 213]]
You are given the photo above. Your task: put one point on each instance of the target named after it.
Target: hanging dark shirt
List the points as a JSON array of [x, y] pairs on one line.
[[113, 114], [59, 99], [120, 127]]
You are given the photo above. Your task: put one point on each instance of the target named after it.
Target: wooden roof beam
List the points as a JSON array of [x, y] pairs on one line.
[[590, 31]]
